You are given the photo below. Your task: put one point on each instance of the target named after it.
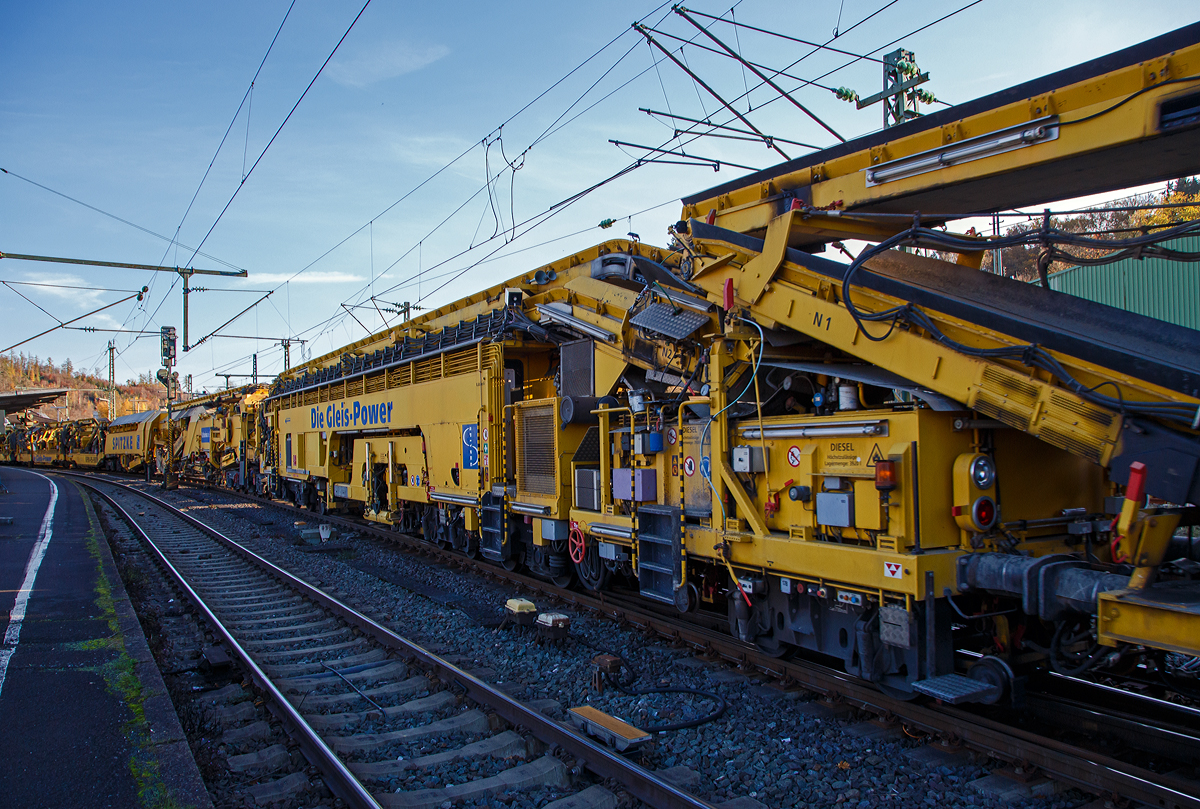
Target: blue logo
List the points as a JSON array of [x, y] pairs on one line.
[[205, 432], [470, 441]]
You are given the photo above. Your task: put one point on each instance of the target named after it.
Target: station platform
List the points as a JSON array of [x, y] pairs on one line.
[[86, 718]]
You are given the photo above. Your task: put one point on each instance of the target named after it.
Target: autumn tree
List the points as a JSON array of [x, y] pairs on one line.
[[1151, 212]]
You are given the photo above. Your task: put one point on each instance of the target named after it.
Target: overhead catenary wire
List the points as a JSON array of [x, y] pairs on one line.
[[554, 127], [413, 280], [287, 118], [826, 46], [62, 324], [263, 153], [116, 218], [870, 16], [757, 72], [744, 63], [232, 121], [546, 133], [65, 286], [515, 227], [549, 131]]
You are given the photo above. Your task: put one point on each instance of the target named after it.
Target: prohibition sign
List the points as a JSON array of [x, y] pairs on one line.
[[672, 436], [689, 466], [794, 456]]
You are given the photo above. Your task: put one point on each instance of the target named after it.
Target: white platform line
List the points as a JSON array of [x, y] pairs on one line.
[[12, 635]]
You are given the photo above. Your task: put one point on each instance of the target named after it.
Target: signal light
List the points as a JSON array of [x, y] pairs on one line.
[[984, 513], [885, 475]]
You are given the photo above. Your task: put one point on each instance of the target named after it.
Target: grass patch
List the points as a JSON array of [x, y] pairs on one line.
[[121, 679]]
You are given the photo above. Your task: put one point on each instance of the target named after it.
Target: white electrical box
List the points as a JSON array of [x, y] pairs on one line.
[[613, 552], [835, 509], [748, 459]]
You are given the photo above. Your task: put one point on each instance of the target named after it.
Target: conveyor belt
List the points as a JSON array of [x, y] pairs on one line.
[[1172, 152], [1151, 350]]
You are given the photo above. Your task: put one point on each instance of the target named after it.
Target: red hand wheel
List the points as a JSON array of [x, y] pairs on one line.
[[576, 543]]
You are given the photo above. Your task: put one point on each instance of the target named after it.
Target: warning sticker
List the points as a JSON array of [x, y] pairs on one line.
[[794, 456], [893, 570], [876, 455], [672, 436], [689, 466]]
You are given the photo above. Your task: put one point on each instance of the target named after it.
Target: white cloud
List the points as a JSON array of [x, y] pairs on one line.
[[310, 277], [78, 292], [384, 61]]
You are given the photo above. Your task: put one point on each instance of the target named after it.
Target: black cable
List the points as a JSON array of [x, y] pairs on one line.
[[1030, 354], [625, 686], [1127, 99], [1086, 660]]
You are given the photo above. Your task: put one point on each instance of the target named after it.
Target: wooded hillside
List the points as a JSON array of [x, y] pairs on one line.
[[88, 387]]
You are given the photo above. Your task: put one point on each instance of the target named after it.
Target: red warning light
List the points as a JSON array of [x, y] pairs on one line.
[[983, 513], [885, 475]]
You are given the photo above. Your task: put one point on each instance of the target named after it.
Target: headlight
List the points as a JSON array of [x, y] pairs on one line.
[[983, 472]]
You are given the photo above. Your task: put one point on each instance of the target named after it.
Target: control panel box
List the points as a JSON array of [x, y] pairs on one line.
[[640, 485], [835, 509], [647, 443], [748, 459]]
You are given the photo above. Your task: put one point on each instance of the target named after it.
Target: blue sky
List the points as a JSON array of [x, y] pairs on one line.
[[122, 106]]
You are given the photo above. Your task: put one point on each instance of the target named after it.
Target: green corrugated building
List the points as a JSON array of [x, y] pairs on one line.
[[1155, 287]]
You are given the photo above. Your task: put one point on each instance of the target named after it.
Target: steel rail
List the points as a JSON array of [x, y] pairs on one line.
[[638, 781], [1087, 769], [337, 776]]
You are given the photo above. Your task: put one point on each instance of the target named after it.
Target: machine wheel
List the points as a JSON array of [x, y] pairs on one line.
[[993, 671], [513, 562], [429, 525], [590, 569], [772, 646]]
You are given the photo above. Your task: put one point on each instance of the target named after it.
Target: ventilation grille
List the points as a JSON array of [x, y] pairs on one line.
[[576, 368], [1077, 443], [589, 447], [535, 449], [1006, 396], [1081, 410]]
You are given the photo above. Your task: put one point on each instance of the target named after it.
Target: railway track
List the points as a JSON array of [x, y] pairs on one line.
[[1173, 729], [1133, 722], [354, 694]]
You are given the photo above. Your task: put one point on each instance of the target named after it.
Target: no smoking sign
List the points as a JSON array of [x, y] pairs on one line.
[[794, 456]]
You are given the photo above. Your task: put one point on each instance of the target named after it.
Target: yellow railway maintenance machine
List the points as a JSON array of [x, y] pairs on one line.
[[927, 458], [462, 423], [131, 440], [219, 436], [884, 463]]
